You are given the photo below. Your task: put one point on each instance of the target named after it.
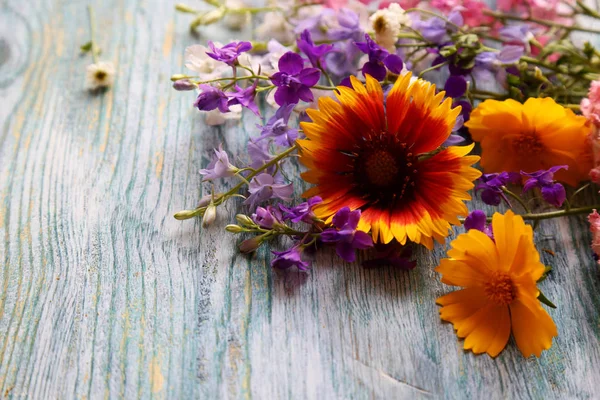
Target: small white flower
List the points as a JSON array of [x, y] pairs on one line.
[[275, 26], [387, 24], [215, 117], [101, 74], [197, 60], [236, 20]]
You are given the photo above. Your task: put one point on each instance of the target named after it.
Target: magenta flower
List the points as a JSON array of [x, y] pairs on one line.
[[314, 53], [277, 127], [490, 186], [245, 97], [267, 217], [293, 81], [264, 187], [229, 53], [552, 191], [380, 60], [289, 258], [219, 167], [302, 212], [478, 220], [345, 234], [211, 98]]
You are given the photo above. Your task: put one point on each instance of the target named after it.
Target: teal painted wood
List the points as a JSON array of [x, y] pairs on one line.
[[104, 295]]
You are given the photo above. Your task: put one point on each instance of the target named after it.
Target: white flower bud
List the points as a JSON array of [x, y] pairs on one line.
[[209, 216]]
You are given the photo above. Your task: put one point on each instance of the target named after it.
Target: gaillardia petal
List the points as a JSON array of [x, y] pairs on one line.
[[384, 158]]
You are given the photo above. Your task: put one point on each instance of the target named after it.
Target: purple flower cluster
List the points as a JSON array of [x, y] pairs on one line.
[[293, 81], [229, 53], [211, 98], [552, 191], [478, 220], [490, 186], [290, 258], [264, 187], [277, 127], [380, 60], [345, 235], [302, 212]]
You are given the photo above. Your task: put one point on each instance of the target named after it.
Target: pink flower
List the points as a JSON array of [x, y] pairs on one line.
[[471, 10], [590, 107], [594, 220], [337, 4]]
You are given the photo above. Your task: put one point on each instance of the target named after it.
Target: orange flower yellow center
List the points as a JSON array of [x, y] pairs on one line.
[[528, 145], [500, 289]]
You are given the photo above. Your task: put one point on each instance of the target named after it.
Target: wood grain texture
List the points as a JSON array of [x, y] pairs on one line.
[[104, 295]]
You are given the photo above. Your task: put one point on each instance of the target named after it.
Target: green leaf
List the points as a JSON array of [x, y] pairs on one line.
[[86, 47], [545, 300]]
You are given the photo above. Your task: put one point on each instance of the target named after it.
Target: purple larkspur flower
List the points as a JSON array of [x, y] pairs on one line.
[[349, 26], [258, 152], [314, 53], [552, 191], [277, 127], [342, 60], [290, 258], [245, 97], [380, 60], [219, 167], [346, 236], [267, 217], [433, 29], [456, 86], [490, 186], [211, 98], [264, 187], [516, 33], [293, 81], [510, 54], [478, 220], [302, 212], [229, 53]]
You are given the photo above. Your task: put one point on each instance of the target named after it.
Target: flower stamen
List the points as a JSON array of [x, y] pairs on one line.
[[500, 289]]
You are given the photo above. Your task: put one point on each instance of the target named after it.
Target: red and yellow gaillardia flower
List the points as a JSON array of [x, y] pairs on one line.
[[384, 158], [532, 136], [500, 295]]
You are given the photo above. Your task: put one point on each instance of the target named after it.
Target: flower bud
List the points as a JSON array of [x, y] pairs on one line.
[[184, 84], [187, 214], [209, 216], [208, 18], [244, 220], [234, 228], [250, 245], [184, 8], [177, 77], [205, 200]]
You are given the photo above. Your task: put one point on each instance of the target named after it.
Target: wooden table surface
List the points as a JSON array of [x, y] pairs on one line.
[[104, 295]]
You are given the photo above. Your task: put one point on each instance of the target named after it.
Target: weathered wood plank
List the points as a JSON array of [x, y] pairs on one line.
[[104, 295]]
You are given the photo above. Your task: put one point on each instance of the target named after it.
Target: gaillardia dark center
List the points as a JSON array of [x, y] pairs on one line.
[[384, 169]]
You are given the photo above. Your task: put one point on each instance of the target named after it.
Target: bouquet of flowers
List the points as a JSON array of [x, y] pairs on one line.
[[391, 161]]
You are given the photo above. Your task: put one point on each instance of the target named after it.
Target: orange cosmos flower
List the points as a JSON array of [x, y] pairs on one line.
[[500, 295], [529, 137], [384, 158]]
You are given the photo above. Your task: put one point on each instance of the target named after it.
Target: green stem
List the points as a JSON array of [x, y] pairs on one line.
[[542, 22], [325, 87], [440, 65], [94, 49], [517, 198], [559, 213], [218, 201]]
